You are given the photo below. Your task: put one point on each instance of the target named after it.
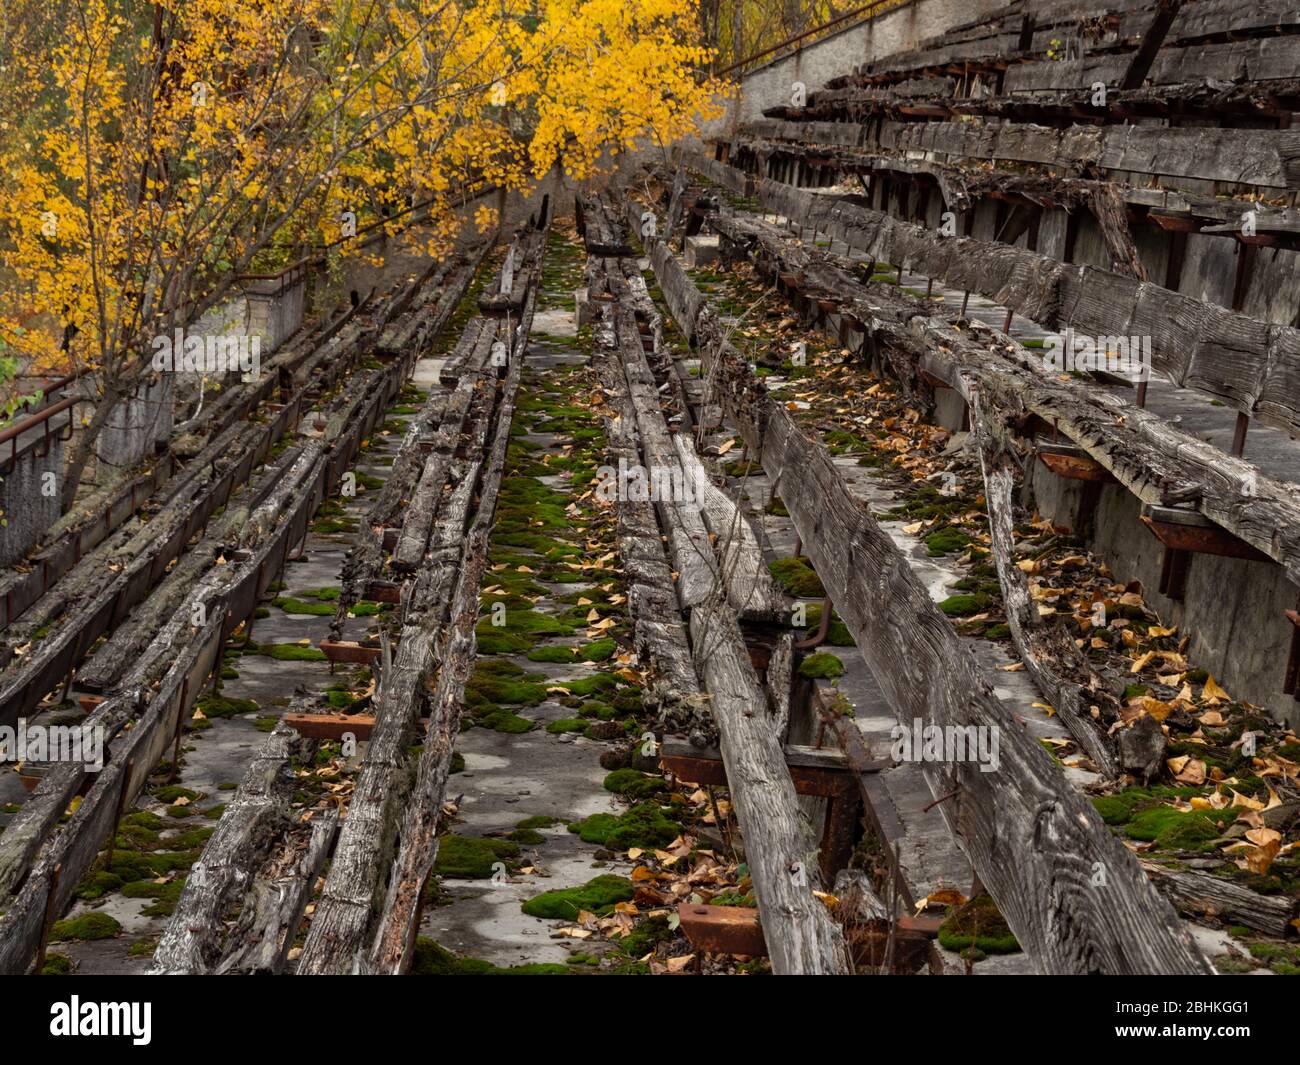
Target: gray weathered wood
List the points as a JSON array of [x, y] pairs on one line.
[[1035, 842]]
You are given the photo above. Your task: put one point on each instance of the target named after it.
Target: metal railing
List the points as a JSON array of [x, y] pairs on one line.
[[864, 13]]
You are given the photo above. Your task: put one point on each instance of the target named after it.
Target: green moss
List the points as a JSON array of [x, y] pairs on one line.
[[964, 605], [169, 794], [56, 965], [1113, 810], [1172, 829], [821, 666], [977, 924], [195, 837], [597, 896], [538, 821], [87, 926], [599, 710], [97, 885], [526, 623], [505, 721], [142, 948], [583, 959], [599, 650], [554, 653], [567, 724], [500, 642], [430, 959], [584, 686], [645, 937], [494, 683], [837, 633], [644, 825], [472, 857], [290, 652], [946, 542], [332, 526], [529, 836], [838, 441], [215, 706], [798, 578], [633, 784], [266, 724], [165, 896], [301, 606]]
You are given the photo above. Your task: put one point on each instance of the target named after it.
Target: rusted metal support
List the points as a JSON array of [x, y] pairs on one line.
[[1173, 573], [1291, 682], [823, 627], [383, 591], [117, 812], [737, 930], [1239, 434], [1072, 463], [51, 912], [349, 651], [180, 723], [1193, 533]]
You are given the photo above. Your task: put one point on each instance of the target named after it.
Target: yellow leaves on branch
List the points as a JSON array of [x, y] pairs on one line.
[[153, 151]]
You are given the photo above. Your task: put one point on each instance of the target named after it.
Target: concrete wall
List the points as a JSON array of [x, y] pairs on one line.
[[896, 30], [138, 423], [27, 505]]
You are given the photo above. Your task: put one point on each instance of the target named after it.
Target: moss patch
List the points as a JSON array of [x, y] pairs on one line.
[[964, 605], [644, 825], [431, 959], [633, 784], [88, 926], [597, 896], [797, 577], [1172, 829], [821, 666], [946, 542], [288, 652], [977, 924], [837, 633], [214, 706], [471, 857]]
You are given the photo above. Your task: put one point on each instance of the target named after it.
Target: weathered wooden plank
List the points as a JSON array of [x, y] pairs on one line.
[[264, 931], [1190, 340], [253, 820], [1048, 652], [1149, 456], [1200, 895], [658, 631], [1026, 809], [393, 944]]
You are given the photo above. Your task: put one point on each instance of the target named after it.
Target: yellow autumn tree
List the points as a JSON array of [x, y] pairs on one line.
[[155, 152]]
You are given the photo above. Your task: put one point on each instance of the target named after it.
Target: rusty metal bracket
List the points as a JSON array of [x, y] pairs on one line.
[[1291, 683], [1191, 532], [348, 651]]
